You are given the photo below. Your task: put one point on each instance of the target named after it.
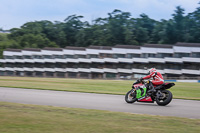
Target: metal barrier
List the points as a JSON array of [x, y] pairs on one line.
[[188, 81]]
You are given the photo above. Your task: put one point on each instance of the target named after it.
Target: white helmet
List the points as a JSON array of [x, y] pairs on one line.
[[152, 71]]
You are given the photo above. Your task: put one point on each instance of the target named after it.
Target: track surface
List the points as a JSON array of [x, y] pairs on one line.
[[179, 108]]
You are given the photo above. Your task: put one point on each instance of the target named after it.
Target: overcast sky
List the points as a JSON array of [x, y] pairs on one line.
[[14, 13]]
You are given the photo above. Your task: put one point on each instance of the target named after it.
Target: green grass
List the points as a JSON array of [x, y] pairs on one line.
[[20, 118], [180, 90]]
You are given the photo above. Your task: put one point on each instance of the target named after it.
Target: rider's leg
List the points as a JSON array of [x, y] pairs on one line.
[[154, 83], [150, 87]]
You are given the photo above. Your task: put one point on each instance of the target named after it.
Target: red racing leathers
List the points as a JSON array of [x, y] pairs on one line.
[[157, 78]]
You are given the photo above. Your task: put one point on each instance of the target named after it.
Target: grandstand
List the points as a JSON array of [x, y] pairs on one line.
[[180, 61]]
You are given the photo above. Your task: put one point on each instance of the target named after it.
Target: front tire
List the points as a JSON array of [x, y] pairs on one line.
[[166, 99], [130, 98]]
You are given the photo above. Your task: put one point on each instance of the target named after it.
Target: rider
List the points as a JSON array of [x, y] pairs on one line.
[[157, 79]]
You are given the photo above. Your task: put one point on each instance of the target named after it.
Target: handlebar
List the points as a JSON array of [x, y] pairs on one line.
[[141, 81]]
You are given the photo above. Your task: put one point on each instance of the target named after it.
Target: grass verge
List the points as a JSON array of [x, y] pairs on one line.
[[21, 118], [120, 87]]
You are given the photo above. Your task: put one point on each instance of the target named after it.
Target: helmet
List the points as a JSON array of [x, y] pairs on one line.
[[152, 71]]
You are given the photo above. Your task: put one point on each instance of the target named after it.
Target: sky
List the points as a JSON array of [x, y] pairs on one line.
[[15, 13]]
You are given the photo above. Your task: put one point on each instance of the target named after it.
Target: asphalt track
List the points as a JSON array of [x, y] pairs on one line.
[[178, 108]]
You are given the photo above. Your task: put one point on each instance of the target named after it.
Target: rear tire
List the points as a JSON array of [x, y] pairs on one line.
[[166, 99], [130, 98]]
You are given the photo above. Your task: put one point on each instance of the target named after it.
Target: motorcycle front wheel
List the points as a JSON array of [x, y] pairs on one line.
[[130, 97], [165, 99]]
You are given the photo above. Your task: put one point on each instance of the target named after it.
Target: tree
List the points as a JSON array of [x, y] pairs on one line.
[[35, 41], [158, 35], [147, 23], [117, 22], [130, 32], [71, 27], [179, 26], [193, 26], [168, 35], [141, 35]]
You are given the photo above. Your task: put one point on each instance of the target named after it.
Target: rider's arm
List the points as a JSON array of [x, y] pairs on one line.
[[147, 77]]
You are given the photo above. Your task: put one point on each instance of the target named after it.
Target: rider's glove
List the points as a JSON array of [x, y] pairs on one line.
[[139, 80]]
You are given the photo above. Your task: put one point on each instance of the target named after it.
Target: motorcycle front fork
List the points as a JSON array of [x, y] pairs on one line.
[[133, 92]]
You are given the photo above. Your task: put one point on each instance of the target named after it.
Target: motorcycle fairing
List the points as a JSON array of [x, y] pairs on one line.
[[140, 91], [147, 99]]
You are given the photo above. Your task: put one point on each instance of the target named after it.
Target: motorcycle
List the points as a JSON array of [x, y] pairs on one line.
[[139, 93]]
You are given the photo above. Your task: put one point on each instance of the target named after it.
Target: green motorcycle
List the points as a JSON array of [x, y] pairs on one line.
[[139, 93]]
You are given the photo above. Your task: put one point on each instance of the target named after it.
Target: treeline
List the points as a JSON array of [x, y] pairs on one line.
[[118, 28]]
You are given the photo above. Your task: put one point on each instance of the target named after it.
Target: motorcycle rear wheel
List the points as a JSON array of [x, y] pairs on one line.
[[130, 98], [166, 99]]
